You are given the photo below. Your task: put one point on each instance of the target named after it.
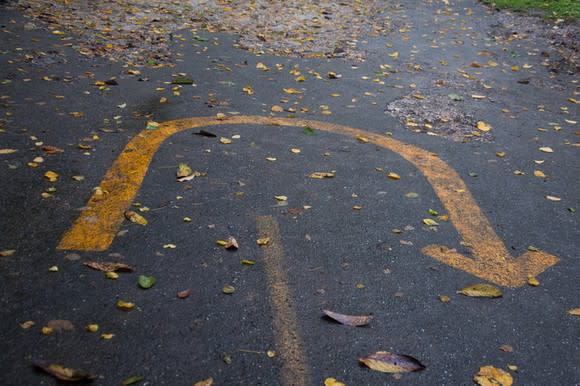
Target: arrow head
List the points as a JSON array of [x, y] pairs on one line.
[[508, 272]]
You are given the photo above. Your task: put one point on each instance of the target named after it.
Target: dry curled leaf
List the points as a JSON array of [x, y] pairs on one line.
[[64, 373], [574, 311], [332, 382], [492, 376], [263, 241], [123, 305], [205, 382], [349, 320], [135, 217], [481, 291], [184, 294], [231, 244], [321, 175], [387, 362], [506, 348], [106, 266]]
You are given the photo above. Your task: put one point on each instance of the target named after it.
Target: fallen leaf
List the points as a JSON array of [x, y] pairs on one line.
[[506, 348], [231, 244], [51, 176], [393, 176], [248, 262], [184, 294], [492, 376], [93, 327], [362, 138], [205, 382], [263, 241], [28, 324], [321, 175], [60, 325], [112, 275], [132, 380], [135, 217], [291, 90], [481, 125], [7, 252], [553, 198], [430, 222], [574, 311], [248, 90], [107, 336], [7, 151], [295, 150], [332, 382], [183, 170], [146, 282], [411, 195], [182, 80], [357, 207], [387, 362], [225, 141], [277, 109], [228, 289], [481, 291], [444, 298], [546, 149], [539, 173], [455, 97], [308, 130], [64, 373], [108, 266], [533, 281], [349, 320], [262, 66], [281, 198], [123, 305]]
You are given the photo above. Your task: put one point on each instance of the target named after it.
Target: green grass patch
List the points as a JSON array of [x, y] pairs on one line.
[[553, 8]]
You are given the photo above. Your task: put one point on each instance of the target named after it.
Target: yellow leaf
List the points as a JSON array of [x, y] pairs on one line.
[[248, 90], [225, 141], [572, 100], [7, 252], [481, 291], [444, 298], [106, 336], [321, 175], [262, 66], [28, 324], [534, 282], [300, 78], [393, 176], [277, 109], [7, 151], [291, 90], [92, 327], [539, 173], [492, 376], [263, 241], [205, 382], [123, 305], [135, 217], [51, 176], [357, 207], [553, 198], [546, 149], [295, 150], [501, 154], [362, 138], [430, 222], [183, 170], [387, 362], [221, 116], [271, 159], [574, 311], [481, 125], [478, 97], [281, 198], [228, 289], [46, 330], [332, 382], [394, 55], [515, 68]]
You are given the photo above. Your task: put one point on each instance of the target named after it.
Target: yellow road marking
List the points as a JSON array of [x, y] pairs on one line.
[[96, 227], [294, 364]]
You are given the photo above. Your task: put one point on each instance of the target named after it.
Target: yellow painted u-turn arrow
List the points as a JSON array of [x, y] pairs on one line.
[[98, 224]]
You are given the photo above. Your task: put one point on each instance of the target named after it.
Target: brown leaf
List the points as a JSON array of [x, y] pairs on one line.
[[135, 217], [107, 266], [349, 320], [184, 294], [387, 362], [506, 348], [231, 244], [64, 373], [205, 382], [60, 324], [492, 376]]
